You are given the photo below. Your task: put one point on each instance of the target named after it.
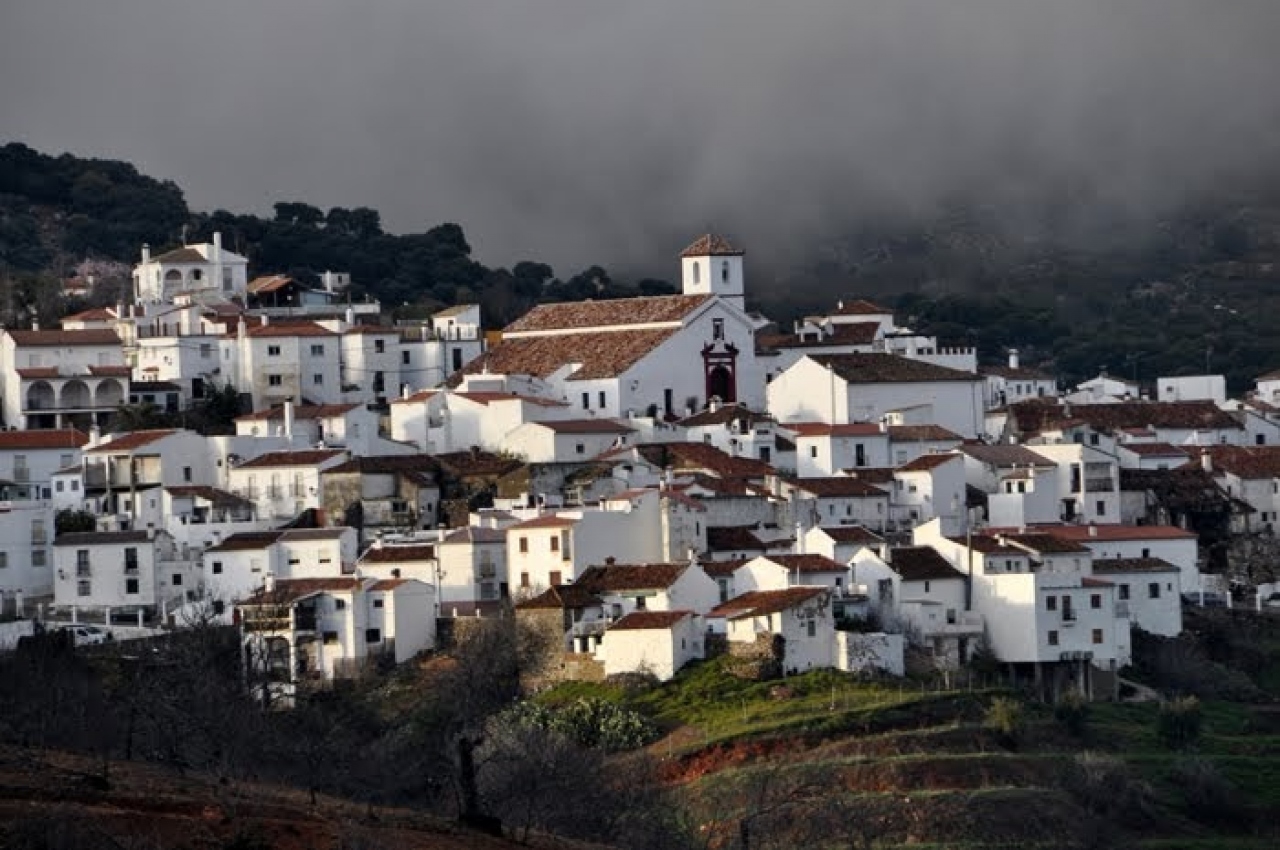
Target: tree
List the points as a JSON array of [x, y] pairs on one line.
[[299, 214], [69, 520]]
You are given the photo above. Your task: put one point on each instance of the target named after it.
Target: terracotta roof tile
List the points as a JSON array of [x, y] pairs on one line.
[[735, 538], [852, 534], [132, 441], [1006, 456], [247, 541], [582, 315], [1246, 462], [921, 563], [268, 283], [90, 336], [808, 563], [96, 314], [185, 254], [302, 457], [1038, 415], [286, 330], [288, 590], [545, 521], [711, 245], [1155, 450], [1112, 566], [33, 373], [854, 333], [823, 429], [397, 554], [859, 307], [723, 415], [723, 569], [760, 602], [110, 371], [888, 369], [649, 620], [924, 463], [300, 412], [922, 434], [92, 538], [605, 354], [837, 487], [560, 597], [63, 438], [617, 577]]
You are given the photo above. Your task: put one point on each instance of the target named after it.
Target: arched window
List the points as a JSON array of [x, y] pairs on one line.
[[697, 272]]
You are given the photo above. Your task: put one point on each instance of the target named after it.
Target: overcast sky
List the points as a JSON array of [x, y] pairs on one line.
[[613, 132]]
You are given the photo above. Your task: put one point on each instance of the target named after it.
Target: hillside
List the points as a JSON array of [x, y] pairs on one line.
[[1077, 288], [56, 801]]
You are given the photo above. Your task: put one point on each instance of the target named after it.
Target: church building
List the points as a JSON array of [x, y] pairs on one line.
[[660, 356]]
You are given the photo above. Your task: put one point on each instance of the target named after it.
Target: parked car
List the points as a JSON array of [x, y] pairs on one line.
[[88, 635]]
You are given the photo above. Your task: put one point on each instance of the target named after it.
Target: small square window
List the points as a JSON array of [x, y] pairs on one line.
[[317, 379], [404, 358], [275, 380], [339, 604], [217, 568], [379, 346], [1097, 636], [1124, 591], [1053, 638], [373, 635], [273, 351], [177, 580], [1051, 603], [131, 586], [1095, 601], [378, 603], [317, 351]]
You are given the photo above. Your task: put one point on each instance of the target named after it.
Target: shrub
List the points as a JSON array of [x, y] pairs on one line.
[[1106, 786], [1178, 723], [1004, 717], [590, 722], [1072, 711], [1210, 796]]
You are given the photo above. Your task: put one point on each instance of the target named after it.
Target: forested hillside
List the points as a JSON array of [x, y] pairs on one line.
[[1075, 290]]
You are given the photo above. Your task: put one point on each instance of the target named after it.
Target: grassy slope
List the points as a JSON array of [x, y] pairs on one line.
[[920, 768]]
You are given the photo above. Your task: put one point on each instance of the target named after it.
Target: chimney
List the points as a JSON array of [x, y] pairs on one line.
[[1093, 530], [395, 572], [610, 561], [35, 323], [217, 259], [269, 582], [713, 403], [146, 253], [1206, 461], [1013, 358], [288, 420], [351, 316]]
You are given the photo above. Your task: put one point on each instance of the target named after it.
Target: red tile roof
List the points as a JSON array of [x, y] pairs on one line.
[[921, 563], [604, 354], [292, 589], [851, 534], [586, 426], [859, 307], [91, 336], [302, 457], [133, 440], [723, 569], [1247, 462], [545, 521], [1112, 566], [1005, 456], [734, 538], [688, 457], [922, 434], [808, 563], [889, 369], [560, 597], [1086, 533], [649, 620], [837, 487], [723, 415], [856, 333], [1154, 450], [760, 602], [300, 412], [110, 371], [32, 373], [1045, 544], [97, 314], [711, 245], [246, 541], [185, 254], [1038, 415], [924, 463], [268, 283], [822, 429], [618, 577], [619, 312], [286, 330], [387, 584], [397, 554], [63, 438]]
